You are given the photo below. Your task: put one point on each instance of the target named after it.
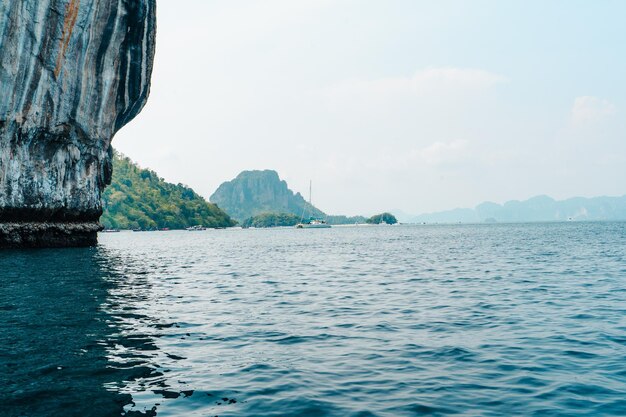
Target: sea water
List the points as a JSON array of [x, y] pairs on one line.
[[472, 320]]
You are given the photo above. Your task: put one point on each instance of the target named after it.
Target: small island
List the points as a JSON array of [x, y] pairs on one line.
[[383, 218]]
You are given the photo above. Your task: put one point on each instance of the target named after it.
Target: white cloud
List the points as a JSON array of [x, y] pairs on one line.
[[375, 108], [588, 109], [440, 152], [424, 82], [438, 155]]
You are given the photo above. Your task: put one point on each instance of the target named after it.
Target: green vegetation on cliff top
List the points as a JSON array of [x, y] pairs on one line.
[[138, 199]]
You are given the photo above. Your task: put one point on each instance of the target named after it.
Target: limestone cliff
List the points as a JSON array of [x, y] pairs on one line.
[[257, 192], [72, 73]]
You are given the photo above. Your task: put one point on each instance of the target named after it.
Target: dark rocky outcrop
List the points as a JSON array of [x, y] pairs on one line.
[[72, 73]]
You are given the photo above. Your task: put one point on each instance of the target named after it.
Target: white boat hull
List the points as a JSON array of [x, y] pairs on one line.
[[313, 226]]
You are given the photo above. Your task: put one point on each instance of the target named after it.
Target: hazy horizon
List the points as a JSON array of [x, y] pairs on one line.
[[412, 105], [402, 212]]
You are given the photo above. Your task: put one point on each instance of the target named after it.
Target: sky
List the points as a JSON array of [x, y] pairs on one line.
[[413, 105]]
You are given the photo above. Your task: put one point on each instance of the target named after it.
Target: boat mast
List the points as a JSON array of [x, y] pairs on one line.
[[305, 208]]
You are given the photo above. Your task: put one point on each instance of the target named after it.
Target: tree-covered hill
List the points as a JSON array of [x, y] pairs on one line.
[[138, 199], [387, 218], [339, 219], [272, 220]]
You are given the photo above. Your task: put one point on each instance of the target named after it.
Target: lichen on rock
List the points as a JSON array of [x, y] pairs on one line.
[[72, 73]]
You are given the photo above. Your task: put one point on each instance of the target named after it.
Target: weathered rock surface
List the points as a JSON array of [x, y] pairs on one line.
[[72, 73], [257, 192]]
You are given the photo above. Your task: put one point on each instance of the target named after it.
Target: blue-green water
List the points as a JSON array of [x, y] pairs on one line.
[[483, 320]]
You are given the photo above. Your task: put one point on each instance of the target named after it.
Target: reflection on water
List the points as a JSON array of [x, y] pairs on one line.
[[343, 322], [65, 344]]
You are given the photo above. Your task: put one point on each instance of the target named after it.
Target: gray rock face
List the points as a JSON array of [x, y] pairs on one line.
[[256, 192], [72, 73]]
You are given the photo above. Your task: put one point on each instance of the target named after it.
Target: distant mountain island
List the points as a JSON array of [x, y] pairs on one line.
[[138, 199], [262, 199], [253, 193], [537, 209]]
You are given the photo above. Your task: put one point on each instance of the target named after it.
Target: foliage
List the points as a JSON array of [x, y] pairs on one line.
[[339, 219], [383, 217], [272, 220], [138, 199]]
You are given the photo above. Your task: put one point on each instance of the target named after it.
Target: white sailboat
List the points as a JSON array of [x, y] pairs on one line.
[[313, 223]]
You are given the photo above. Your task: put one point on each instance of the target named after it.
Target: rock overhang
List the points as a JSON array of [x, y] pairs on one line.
[[72, 73]]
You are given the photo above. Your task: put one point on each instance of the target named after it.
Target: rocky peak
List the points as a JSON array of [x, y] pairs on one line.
[[255, 192]]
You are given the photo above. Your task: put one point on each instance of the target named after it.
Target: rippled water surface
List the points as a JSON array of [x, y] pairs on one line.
[[479, 320]]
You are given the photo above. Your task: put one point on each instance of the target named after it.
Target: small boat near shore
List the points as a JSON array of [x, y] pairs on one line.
[[312, 223], [195, 229]]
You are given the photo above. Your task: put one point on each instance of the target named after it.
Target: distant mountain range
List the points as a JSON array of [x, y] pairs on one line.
[[138, 198], [256, 192], [537, 209]]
